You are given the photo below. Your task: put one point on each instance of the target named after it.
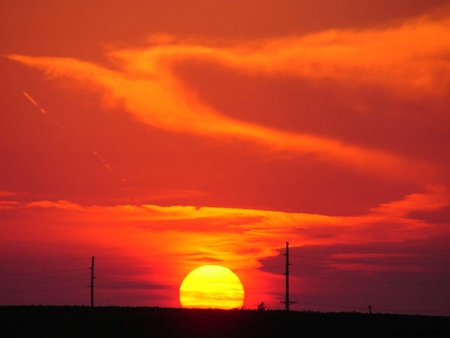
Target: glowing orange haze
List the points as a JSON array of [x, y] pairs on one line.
[[212, 145], [180, 238], [149, 89]]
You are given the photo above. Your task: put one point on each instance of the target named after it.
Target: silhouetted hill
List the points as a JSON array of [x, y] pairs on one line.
[[79, 321]]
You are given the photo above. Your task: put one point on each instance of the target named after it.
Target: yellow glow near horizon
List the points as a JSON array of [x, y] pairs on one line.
[[211, 287]]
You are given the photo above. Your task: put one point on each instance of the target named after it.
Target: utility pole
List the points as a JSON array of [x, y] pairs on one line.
[[92, 282], [287, 302]]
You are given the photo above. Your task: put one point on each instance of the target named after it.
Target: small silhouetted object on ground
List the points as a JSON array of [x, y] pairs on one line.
[[262, 307], [370, 309]]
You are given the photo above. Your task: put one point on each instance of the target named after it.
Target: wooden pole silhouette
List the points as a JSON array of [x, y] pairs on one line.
[[287, 302], [92, 282], [287, 276]]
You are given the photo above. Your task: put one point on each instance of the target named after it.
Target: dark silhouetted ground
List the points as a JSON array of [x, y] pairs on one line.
[[79, 321]]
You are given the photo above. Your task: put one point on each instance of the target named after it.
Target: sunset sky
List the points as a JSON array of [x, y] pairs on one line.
[[159, 136]]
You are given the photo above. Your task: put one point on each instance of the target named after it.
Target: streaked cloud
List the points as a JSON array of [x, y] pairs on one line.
[[407, 60], [261, 224], [241, 239], [437, 198], [5, 193], [216, 143]]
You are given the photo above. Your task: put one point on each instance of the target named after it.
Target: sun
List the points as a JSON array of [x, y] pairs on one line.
[[211, 287]]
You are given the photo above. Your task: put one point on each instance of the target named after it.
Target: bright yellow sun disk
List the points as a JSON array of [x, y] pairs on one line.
[[211, 287]]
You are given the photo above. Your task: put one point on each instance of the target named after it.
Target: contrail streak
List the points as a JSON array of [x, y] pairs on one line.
[[101, 159], [42, 110]]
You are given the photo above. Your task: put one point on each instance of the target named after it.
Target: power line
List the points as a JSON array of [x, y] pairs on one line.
[[375, 281], [378, 309], [301, 274], [46, 281], [333, 306], [40, 272], [43, 290], [315, 267], [46, 273], [370, 261], [45, 260]]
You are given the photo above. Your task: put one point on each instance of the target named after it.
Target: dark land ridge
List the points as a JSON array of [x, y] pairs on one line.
[[83, 321]]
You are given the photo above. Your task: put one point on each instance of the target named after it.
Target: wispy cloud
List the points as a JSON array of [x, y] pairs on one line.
[[257, 226], [60, 205], [435, 199], [182, 237], [407, 60], [5, 193]]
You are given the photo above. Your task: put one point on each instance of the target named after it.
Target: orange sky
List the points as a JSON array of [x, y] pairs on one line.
[[160, 137]]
